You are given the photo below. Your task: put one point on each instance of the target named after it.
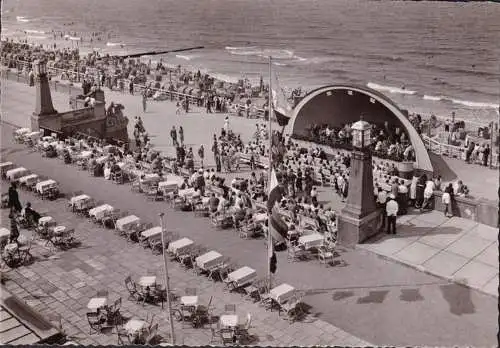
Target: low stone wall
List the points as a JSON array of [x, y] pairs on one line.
[[480, 210]]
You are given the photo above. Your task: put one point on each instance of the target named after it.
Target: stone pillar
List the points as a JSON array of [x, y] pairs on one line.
[[43, 107], [359, 219]]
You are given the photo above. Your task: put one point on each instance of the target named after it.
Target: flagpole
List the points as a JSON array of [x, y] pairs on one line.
[[269, 237]]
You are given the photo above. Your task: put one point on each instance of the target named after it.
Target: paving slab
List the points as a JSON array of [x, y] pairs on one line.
[[416, 253], [469, 246], [475, 274], [485, 232], [445, 264], [491, 287], [489, 256]]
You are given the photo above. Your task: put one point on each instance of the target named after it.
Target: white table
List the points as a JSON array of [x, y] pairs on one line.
[[13, 174], [167, 186], [242, 275], [147, 281], [4, 166], [189, 300], [187, 192], [101, 159], [21, 131], [28, 179], [43, 186], [125, 222], [59, 230], [85, 154], [180, 245], [96, 303], [209, 259], [260, 217], [100, 211], [79, 199], [134, 325], [228, 320], [311, 240], [46, 220], [152, 232], [282, 293], [4, 234], [151, 177]]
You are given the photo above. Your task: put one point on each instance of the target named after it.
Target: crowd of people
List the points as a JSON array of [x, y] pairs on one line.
[[388, 141]]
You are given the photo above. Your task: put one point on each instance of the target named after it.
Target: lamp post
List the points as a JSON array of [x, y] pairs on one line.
[[166, 279], [358, 219]]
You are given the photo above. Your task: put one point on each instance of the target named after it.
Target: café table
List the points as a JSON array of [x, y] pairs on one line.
[[97, 303], [228, 320], [241, 276], [282, 293], [310, 241], [134, 326], [100, 212], [146, 281], [127, 221], [46, 221], [180, 245], [152, 232], [189, 300], [4, 235], [208, 260], [43, 186]]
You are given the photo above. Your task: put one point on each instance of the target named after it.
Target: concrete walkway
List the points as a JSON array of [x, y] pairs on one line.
[[354, 294], [456, 249], [63, 282]]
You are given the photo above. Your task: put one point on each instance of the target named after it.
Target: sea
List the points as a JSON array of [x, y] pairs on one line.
[[431, 57]]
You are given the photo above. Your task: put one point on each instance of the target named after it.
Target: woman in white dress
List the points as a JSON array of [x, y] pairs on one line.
[[413, 190]]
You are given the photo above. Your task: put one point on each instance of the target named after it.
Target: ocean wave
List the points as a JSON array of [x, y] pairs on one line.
[[433, 98], [22, 19], [36, 37], [280, 64], [472, 104], [281, 54], [115, 44], [32, 31], [235, 48], [390, 89], [186, 57]]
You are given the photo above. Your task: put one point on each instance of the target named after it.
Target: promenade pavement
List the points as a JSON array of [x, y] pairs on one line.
[[372, 298], [18, 102], [457, 249], [60, 283]]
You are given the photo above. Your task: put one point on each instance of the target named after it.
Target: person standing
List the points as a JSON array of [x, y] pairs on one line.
[[131, 87], [381, 203], [14, 203], [144, 99], [186, 104], [226, 124], [391, 208], [446, 199], [181, 135], [201, 154], [486, 154], [14, 230], [173, 135]]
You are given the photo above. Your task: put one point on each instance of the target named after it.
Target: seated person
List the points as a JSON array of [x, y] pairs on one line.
[[30, 214], [51, 152], [213, 203]]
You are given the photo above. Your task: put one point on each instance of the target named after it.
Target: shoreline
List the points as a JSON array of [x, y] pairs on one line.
[[199, 128], [413, 102]]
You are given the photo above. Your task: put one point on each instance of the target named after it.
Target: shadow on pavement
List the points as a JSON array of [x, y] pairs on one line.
[[410, 295], [442, 168], [458, 298], [373, 297]]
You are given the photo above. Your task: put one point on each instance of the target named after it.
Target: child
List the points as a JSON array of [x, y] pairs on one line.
[[178, 111]]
